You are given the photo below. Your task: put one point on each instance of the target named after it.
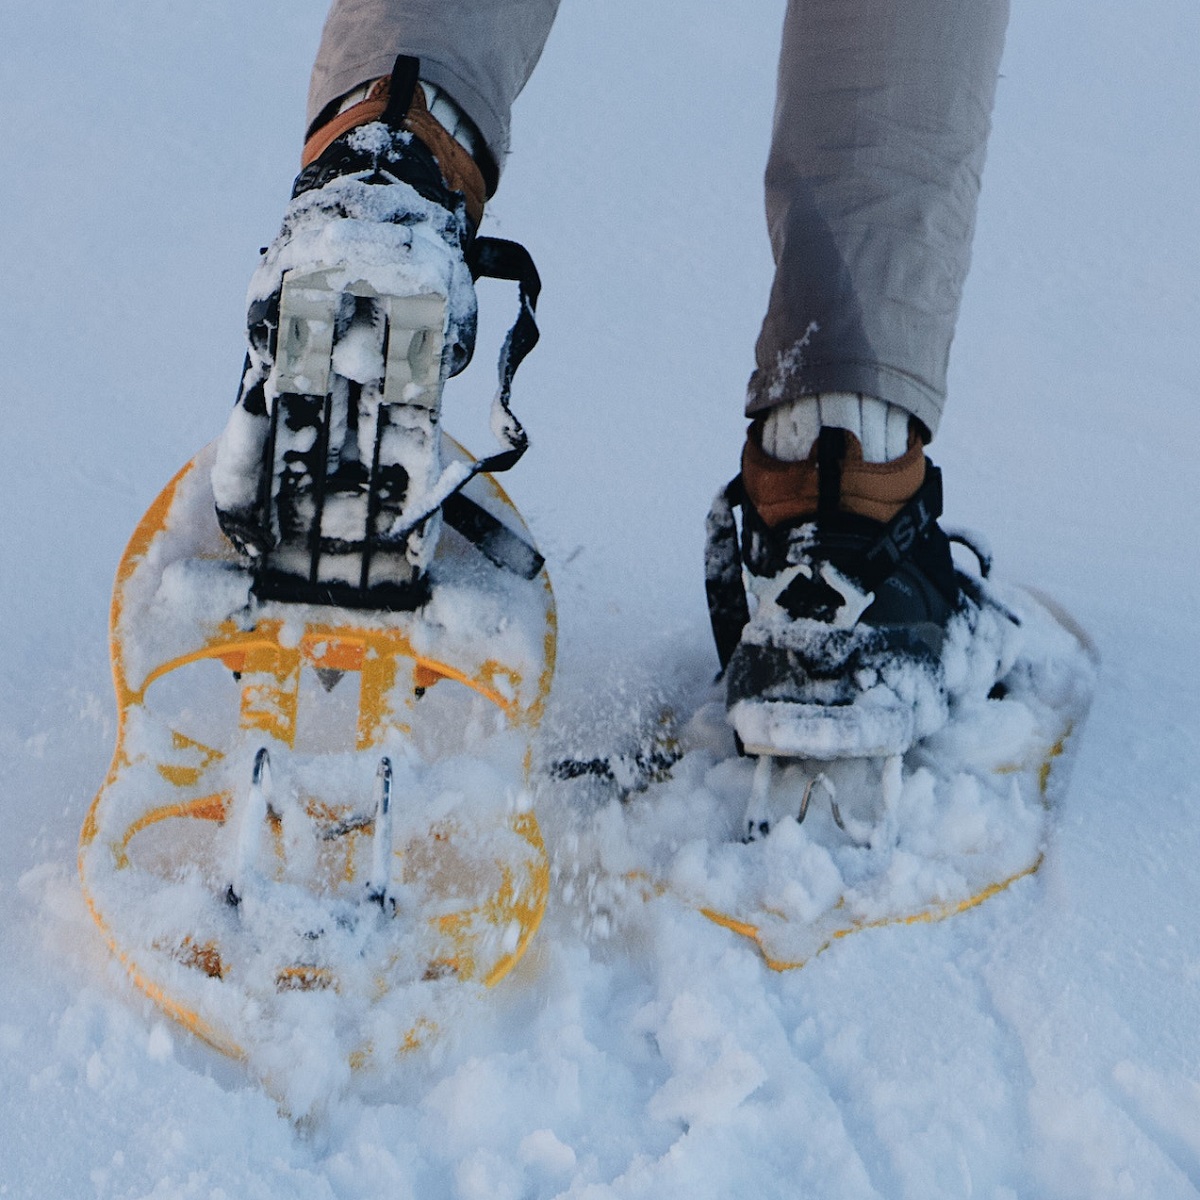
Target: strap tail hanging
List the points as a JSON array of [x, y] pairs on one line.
[[728, 608], [495, 258]]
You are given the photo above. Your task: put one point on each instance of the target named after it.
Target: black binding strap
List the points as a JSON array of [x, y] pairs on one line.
[[831, 450], [406, 73], [901, 535], [498, 258], [491, 537]]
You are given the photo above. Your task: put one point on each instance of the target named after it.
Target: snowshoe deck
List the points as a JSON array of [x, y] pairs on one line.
[[317, 817]]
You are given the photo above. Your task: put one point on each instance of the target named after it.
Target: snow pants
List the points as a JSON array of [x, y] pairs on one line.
[[881, 122]]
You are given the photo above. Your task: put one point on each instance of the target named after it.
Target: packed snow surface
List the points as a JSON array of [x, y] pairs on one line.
[[1041, 1045]]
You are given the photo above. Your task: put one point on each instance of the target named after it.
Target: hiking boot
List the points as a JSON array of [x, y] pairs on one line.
[[863, 630], [358, 313]]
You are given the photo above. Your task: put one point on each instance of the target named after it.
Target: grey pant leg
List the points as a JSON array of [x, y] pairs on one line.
[[881, 126], [481, 52]]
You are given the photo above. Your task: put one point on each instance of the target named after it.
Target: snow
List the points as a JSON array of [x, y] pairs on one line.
[[1043, 1044]]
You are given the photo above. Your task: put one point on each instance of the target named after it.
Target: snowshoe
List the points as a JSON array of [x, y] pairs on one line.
[[796, 853], [906, 724], [332, 641], [892, 737]]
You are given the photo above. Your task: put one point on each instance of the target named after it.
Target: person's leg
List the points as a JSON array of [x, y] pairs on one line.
[[881, 125], [481, 54], [330, 475]]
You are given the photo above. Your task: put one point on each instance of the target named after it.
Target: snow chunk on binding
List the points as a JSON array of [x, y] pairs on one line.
[[316, 829], [795, 853]]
